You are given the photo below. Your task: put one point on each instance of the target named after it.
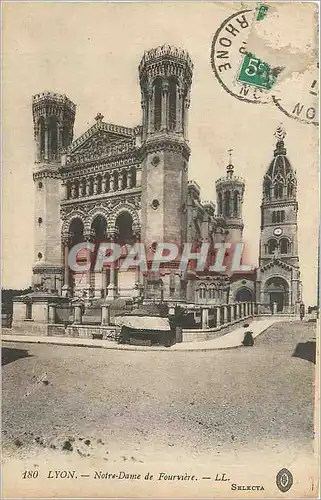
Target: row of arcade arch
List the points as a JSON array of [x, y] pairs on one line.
[[122, 231], [283, 246], [228, 204]]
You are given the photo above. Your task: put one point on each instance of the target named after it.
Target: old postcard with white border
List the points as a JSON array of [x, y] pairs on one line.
[[160, 304]]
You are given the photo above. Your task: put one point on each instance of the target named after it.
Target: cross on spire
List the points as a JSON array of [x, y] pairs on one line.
[[280, 135], [230, 166]]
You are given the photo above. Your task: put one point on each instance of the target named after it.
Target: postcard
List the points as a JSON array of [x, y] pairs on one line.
[[160, 280]]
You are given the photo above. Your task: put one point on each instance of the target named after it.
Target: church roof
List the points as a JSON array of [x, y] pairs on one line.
[[111, 130], [230, 179], [280, 163], [102, 140]]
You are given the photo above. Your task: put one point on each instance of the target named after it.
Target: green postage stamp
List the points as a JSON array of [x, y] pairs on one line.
[[254, 71]]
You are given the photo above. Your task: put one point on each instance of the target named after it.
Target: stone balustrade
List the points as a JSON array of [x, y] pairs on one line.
[[216, 318]]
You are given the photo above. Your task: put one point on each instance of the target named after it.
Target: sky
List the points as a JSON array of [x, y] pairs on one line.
[[90, 52]]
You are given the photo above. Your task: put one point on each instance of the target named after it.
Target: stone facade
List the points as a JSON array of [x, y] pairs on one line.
[[127, 185], [122, 184]]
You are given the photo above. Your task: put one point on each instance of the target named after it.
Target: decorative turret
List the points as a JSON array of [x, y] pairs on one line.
[[229, 194], [279, 207], [280, 180], [165, 75], [53, 120], [278, 287]]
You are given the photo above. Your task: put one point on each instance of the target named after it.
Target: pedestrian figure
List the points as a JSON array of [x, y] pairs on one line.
[[302, 311], [248, 339]]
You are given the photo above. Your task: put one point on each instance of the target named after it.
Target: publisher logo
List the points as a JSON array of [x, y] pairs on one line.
[[284, 480]]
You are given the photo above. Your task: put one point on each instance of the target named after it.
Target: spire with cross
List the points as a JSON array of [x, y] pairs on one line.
[[280, 136], [230, 166]]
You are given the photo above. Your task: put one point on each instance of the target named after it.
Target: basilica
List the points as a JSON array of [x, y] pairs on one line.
[[126, 185]]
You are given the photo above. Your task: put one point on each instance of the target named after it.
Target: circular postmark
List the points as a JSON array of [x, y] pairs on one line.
[[258, 71], [297, 97], [227, 55]]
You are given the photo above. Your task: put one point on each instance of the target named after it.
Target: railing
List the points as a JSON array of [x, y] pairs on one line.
[[217, 317], [213, 320]]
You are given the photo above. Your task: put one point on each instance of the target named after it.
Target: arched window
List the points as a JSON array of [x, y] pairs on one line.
[[271, 246], [68, 190], [41, 132], [282, 216], [236, 203], [267, 189], [172, 89], [107, 184], [29, 309], [133, 177], [65, 136], [115, 181], [53, 137], [284, 245], [227, 208], [91, 186], [274, 217], [99, 184], [124, 224], [157, 103], [83, 187], [77, 190], [244, 294], [76, 231], [220, 203], [99, 226], [278, 191], [202, 291], [124, 179]]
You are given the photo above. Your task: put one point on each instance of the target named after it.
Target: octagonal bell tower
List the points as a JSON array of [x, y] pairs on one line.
[[53, 120], [229, 194], [165, 79]]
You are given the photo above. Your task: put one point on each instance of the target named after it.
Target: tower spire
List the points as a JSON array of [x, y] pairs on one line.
[[280, 134], [230, 166]]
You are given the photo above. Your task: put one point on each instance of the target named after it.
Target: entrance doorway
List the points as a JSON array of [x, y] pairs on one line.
[[278, 298], [277, 291], [244, 295]]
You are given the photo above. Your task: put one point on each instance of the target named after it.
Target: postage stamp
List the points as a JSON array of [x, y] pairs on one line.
[[253, 71], [241, 75], [160, 284]]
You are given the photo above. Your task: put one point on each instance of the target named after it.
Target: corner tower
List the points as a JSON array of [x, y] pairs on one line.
[[278, 277], [229, 195], [165, 75], [53, 120], [279, 208]]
